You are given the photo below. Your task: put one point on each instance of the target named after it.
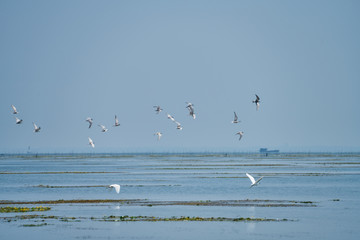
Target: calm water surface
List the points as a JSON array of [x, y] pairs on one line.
[[330, 181]]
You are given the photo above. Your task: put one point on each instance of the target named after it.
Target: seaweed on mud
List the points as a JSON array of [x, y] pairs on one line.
[[9, 209], [127, 218], [145, 202]]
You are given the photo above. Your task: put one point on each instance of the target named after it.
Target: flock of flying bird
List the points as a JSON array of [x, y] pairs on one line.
[[158, 109]]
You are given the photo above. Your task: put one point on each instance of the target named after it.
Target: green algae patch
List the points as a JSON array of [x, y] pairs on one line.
[[23, 209]]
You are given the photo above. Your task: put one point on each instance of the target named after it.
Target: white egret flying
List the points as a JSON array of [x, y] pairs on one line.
[[116, 187], [252, 179]]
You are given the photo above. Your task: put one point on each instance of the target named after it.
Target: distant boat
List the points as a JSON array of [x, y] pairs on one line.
[[266, 151]]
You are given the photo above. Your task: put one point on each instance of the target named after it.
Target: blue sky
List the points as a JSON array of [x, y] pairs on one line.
[[64, 61]]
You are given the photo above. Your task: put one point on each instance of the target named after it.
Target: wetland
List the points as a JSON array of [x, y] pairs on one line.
[[180, 196]]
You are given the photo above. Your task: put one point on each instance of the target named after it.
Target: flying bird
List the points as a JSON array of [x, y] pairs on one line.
[[159, 134], [235, 118], [14, 109], [90, 120], [257, 102], [91, 143], [240, 134], [189, 104], [191, 110], [116, 186], [171, 117], [252, 179], [158, 109], [116, 122], [103, 128], [18, 121], [36, 128], [178, 125]]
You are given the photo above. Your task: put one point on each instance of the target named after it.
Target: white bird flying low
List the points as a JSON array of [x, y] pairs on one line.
[[235, 118], [257, 102], [116, 122], [158, 109], [116, 186], [103, 128], [18, 121], [91, 143], [252, 179], [240, 134], [14, 109], [159, 134], [90, 120], [36, 128]]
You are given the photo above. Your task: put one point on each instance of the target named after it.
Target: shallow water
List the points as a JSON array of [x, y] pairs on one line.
[[331, 182]]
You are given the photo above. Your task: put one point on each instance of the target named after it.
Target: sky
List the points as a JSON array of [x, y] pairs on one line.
[[64, 61]]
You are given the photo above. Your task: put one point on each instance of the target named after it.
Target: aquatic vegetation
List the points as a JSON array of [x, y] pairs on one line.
[[67, 172], [183, 218], [23, 209], [145, 202], [126, 218], [34, 225]]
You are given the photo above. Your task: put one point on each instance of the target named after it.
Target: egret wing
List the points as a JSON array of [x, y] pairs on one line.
[[257, 181], [252, 179]]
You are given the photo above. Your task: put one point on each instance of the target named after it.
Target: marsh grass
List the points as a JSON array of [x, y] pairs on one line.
[[23, 209]]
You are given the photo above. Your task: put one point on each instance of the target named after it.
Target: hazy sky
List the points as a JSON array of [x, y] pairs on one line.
[[64, 61]]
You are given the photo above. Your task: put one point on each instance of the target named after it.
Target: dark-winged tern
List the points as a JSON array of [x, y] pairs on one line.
[[257, 102], [158, 109], [14, 109], [36, 128], [159, 134], [90, 120], [18, 121], [170, 117], [91, 143], [178, 125], [191, 110], [240, 134], [103, 128], [116, 122], [189, 104], [235, 118], [252, 179]]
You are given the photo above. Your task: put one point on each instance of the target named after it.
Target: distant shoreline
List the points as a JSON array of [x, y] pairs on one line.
[[209, 154]]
